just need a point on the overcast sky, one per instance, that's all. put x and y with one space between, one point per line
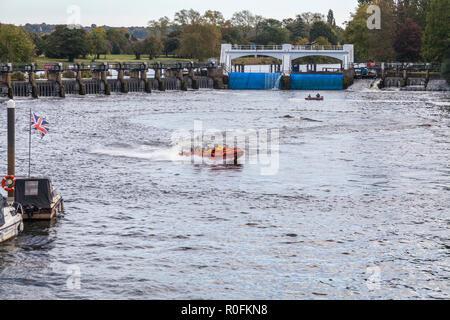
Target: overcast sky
139 12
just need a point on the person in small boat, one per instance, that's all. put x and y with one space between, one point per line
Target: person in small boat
318 95
309 96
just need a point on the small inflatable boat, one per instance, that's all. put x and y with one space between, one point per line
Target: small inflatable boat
215 153
314 98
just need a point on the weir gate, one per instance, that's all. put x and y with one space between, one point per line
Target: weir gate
57 79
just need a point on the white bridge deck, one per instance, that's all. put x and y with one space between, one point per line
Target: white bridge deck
286 53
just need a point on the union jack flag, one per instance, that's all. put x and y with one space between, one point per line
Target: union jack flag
39 124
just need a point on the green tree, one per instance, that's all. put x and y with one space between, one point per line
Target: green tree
200 41
416 10
246 22
297 27
152 46
159 31
339 32
421 9
356 33
330 18
138 48
437 31
233 35
159 27
15 44
322 41
272 32
38 41
185 17
67 43
322 29
310 17
99 41
214 17
118 40
171 45
381 41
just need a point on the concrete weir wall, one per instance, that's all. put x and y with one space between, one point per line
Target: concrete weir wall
265 81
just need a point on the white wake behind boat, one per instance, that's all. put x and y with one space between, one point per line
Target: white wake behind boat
11 223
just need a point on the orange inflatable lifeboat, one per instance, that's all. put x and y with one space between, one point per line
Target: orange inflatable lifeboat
215 153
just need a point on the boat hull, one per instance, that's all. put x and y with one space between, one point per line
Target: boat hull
317 99
45 214
12 227
230 154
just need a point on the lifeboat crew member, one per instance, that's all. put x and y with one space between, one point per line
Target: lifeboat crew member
213 152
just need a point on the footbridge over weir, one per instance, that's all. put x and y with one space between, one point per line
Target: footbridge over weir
286 53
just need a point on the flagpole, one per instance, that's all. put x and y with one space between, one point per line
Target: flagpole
29 149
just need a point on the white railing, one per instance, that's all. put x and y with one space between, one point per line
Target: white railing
316 47
280 47
255 47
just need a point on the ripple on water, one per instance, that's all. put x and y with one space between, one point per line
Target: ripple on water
360 192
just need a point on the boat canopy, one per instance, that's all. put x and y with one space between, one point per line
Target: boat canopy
37 192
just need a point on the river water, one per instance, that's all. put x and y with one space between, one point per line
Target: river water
356 205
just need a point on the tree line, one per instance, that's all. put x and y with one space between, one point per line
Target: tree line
411 30
189 34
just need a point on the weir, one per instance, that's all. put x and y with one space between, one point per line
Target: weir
57 79
405 76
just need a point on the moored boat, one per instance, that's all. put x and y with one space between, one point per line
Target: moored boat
11 223
38 197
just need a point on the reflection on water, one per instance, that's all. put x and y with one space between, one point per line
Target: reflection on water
357 209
